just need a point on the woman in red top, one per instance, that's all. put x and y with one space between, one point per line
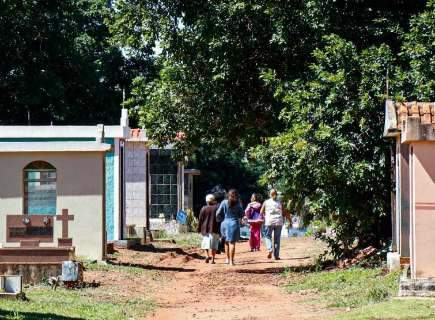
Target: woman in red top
255 220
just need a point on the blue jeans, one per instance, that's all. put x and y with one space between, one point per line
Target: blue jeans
276 239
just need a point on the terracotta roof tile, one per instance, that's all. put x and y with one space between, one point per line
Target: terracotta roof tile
138 135
424 110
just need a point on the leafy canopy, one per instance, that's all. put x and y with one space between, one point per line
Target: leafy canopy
57 63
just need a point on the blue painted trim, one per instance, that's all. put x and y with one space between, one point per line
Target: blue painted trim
110 190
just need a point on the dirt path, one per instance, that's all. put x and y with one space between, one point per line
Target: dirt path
253 289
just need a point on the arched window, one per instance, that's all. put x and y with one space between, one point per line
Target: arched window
40 188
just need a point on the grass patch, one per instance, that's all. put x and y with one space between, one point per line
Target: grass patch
346 288
366 293
189 239
393 310
65 304
130 270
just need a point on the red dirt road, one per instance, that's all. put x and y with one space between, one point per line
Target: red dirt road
253 289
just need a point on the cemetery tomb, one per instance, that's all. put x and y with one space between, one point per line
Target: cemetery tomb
154 187
412 126
52 197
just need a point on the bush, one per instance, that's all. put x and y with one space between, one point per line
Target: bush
192 222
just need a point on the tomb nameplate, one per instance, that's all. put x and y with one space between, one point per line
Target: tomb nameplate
28 227
11 286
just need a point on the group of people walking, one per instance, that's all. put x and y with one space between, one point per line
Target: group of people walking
221 223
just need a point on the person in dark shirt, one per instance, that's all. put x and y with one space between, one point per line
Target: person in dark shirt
208 227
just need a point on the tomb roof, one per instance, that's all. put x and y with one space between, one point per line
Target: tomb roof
140 135
137 134
61 131
401 117
121 131
66 146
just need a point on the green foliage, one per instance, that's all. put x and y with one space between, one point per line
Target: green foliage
418 51
309 75
229 169
189 239
57 63
192 222
347 288
316 227
160 234
330 161
65 304
215 57
213 53
403 309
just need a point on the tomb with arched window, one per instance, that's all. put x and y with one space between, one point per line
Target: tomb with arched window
52 201
66 191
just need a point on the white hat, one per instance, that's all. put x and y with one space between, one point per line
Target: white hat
209 198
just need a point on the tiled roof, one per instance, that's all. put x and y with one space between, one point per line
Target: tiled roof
138 135
424 110
413 121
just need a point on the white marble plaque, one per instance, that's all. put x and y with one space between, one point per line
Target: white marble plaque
13 284
70 271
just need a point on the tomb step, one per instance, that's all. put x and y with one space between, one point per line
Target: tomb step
423 287
36 255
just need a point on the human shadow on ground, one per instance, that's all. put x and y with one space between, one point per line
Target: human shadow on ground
34 316
272 270
149 266
242 263
264 261
153 249
301 269
277 270
178 251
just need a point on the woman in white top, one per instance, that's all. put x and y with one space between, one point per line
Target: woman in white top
273 213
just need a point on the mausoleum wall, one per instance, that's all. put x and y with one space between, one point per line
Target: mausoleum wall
80 189
423 209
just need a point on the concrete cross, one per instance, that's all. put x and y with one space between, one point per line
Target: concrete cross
65 218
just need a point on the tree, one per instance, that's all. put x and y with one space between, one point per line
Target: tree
214 53
330 161
57 63
417 77
302 82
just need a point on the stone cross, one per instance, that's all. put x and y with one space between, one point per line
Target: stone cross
65 218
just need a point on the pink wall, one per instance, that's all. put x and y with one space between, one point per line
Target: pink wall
422 168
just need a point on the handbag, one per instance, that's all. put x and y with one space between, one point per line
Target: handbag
220 213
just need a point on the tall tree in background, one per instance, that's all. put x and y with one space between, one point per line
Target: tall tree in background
332 160
310 75
57 64
215 52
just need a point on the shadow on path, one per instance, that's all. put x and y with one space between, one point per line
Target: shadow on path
177 250
34 316
276 270
150 267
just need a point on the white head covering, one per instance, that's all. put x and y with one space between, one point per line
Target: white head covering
209 198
